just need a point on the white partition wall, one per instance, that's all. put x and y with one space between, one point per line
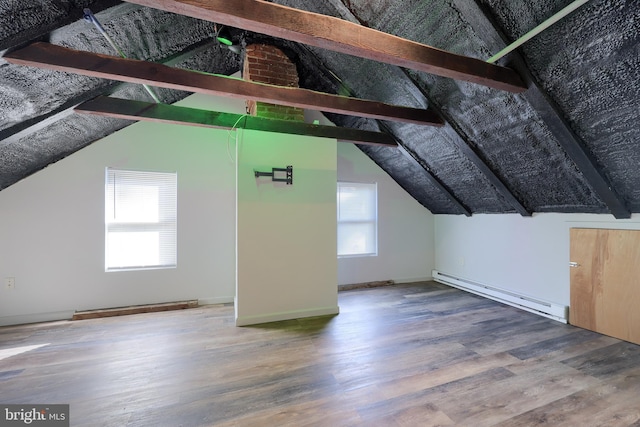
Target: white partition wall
286 234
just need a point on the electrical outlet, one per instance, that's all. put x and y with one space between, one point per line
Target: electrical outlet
10 283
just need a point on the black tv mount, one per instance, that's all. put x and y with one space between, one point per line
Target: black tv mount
278 174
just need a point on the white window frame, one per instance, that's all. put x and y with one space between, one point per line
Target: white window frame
142 203
369 217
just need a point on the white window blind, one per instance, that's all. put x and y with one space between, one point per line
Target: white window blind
140 219
357 219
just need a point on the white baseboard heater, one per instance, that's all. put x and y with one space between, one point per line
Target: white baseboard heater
543 308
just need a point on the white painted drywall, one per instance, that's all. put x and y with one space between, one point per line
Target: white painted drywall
529 256
52 224
405 228
286 234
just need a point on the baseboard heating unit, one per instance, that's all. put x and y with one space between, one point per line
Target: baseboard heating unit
543 308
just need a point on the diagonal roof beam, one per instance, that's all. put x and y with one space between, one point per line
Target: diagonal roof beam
415 159
59 58
341 36
573 145
138 110
464 145
550 113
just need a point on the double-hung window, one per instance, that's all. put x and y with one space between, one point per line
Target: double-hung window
140 219
357 219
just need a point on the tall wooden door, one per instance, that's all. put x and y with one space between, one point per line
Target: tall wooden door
605 282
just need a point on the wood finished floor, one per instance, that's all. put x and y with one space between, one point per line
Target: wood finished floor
405 355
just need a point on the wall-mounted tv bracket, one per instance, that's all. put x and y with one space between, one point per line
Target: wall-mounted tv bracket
279 174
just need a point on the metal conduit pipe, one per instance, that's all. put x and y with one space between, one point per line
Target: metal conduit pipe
538 29
88 16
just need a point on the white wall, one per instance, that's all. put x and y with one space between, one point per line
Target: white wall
52 225
525 255
286 234
405 228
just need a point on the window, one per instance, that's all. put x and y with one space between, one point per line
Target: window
357 219
140 219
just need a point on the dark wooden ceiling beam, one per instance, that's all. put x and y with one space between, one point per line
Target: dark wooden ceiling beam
59 58
551 114
342 36
25 128
138 110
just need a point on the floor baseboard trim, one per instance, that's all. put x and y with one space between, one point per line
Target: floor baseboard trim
23 319
364 285
414 280
379 283
135 309
215 300
288 315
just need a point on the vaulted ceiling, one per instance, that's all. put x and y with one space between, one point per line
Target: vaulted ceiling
569 143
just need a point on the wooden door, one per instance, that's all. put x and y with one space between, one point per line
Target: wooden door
605 282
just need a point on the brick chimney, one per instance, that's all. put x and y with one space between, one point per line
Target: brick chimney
268 64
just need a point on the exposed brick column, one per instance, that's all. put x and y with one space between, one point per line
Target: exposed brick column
268 64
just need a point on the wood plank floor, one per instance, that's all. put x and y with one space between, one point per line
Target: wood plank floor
404 355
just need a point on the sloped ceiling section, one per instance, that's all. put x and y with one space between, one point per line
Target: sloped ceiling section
571 143
590 66
37 124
